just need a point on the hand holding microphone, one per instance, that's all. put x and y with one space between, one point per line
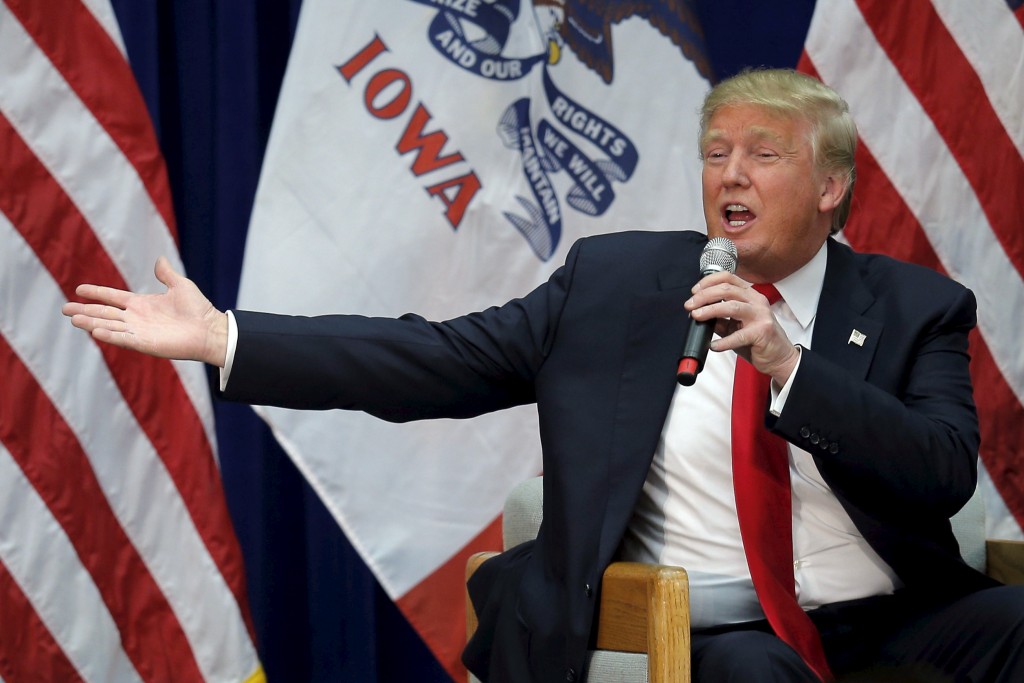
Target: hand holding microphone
740 314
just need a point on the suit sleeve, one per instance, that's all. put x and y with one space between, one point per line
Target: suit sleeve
904 439
400 369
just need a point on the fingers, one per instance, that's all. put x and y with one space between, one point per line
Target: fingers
120 298
114 337
90 323
99 311
94 317
105 295
731 309
743 315
724 296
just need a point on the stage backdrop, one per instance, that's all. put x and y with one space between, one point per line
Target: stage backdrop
436 157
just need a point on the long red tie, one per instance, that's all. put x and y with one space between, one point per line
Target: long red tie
760 462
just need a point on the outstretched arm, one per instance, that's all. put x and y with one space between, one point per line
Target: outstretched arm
180 323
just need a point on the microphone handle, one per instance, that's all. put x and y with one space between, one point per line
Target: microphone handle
695 351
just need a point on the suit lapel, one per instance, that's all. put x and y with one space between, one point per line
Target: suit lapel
842 331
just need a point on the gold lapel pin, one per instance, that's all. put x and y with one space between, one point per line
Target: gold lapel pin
857 337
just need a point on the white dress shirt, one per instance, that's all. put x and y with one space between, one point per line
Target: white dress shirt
686 515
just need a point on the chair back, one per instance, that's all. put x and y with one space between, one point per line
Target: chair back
969 529
524 510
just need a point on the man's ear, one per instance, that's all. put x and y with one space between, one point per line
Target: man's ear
832 190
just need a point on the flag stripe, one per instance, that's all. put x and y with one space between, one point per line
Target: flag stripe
887 224
937 74
42 560
78 152
66 246
117 534
145 500
49 454
29 650
1002 431
435 594
95 68
104 14
993 42
943 200
104 186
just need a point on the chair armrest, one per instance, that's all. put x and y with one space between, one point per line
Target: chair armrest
1005 560
472 564
646 609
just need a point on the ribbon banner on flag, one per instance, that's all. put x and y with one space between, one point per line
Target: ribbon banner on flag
441 158
118 561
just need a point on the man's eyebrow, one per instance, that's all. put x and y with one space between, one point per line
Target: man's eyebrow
759 132
712 135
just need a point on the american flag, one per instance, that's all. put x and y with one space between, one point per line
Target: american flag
937 91
118 561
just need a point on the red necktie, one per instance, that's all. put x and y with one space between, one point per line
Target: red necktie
760 462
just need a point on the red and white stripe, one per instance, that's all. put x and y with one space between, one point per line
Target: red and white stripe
118 561
937 94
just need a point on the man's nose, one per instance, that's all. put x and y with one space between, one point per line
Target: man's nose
735 171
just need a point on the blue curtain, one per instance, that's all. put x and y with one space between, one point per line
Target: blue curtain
210 73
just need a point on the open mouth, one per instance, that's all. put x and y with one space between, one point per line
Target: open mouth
738 215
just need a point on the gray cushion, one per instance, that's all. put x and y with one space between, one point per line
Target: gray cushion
610 667
524 509
969 529
604 666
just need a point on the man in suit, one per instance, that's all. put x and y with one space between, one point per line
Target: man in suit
868 367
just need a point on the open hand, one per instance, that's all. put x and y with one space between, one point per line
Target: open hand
180 323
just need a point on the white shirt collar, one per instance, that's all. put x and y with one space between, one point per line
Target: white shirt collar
802 289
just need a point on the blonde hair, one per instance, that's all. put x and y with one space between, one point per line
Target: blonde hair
833 135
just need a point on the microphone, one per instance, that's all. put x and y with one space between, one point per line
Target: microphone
719 255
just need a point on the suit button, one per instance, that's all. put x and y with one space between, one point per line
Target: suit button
804 432
588 590
833 448
570 674
824 444
815 438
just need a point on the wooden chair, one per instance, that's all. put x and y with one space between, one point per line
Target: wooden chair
643 629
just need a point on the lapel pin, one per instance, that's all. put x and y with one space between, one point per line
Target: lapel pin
857 337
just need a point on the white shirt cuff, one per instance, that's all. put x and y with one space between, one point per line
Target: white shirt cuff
229 357
779 396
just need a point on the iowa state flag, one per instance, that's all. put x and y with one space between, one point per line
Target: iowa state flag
440 157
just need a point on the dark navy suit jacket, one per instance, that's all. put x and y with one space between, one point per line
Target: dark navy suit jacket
891 421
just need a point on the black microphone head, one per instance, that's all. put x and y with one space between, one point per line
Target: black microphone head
719 255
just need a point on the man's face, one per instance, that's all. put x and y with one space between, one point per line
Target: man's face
763 191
